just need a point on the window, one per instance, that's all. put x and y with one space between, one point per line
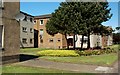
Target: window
24 40
41 22
31 41
31 30
41 40
50 40
84 41
41 31
34 21
59 40
25 19
31 20
24 29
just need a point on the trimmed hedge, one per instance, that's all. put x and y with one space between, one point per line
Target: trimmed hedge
59 53
74 53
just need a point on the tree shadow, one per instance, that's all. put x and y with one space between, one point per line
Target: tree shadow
25 57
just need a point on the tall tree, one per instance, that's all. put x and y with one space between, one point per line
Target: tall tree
78 18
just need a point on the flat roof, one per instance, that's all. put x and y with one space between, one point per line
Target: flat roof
43 16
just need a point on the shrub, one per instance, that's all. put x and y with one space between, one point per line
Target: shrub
59 53
95 52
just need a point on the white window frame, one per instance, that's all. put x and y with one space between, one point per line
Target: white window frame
40 21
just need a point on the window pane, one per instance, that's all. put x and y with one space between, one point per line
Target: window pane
41 31
51 40
31 41
41 22
24 40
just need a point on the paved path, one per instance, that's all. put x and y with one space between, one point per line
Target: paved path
37 62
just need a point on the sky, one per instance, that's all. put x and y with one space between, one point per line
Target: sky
41 8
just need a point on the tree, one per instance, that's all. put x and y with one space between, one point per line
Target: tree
78 18
63 22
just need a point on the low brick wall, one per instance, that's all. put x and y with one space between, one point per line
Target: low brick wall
10 59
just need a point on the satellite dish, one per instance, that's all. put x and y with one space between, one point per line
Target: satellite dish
19 16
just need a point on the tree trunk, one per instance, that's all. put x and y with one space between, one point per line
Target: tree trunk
67 41
88 44
82 41
74 41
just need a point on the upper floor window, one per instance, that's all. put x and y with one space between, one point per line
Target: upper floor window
59 40
31 30
35 21
41 22
25 19
31 20
24 29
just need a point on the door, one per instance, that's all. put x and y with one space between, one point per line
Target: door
35 38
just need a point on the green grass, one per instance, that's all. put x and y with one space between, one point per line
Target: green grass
104 60
23 69
31 51
115 47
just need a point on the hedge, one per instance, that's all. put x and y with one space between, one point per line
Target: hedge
59 53
74 53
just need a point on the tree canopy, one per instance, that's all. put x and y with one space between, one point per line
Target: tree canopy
79 18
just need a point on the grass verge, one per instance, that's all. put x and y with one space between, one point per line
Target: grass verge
103 60
23 69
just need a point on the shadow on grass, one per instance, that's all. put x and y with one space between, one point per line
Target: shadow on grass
25 57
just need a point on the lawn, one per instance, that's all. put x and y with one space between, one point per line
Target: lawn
104 60
23 69
31 51
115 47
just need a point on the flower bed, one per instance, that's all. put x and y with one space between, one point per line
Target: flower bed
74 53
59 53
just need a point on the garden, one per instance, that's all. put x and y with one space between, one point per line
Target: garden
105 57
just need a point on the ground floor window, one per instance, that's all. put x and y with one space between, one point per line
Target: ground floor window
51 40
31 41
24 41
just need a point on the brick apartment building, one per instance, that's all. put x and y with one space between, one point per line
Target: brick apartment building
42 38
9 32
26 30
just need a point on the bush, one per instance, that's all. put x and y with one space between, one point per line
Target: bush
59 53
74 53
96 52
